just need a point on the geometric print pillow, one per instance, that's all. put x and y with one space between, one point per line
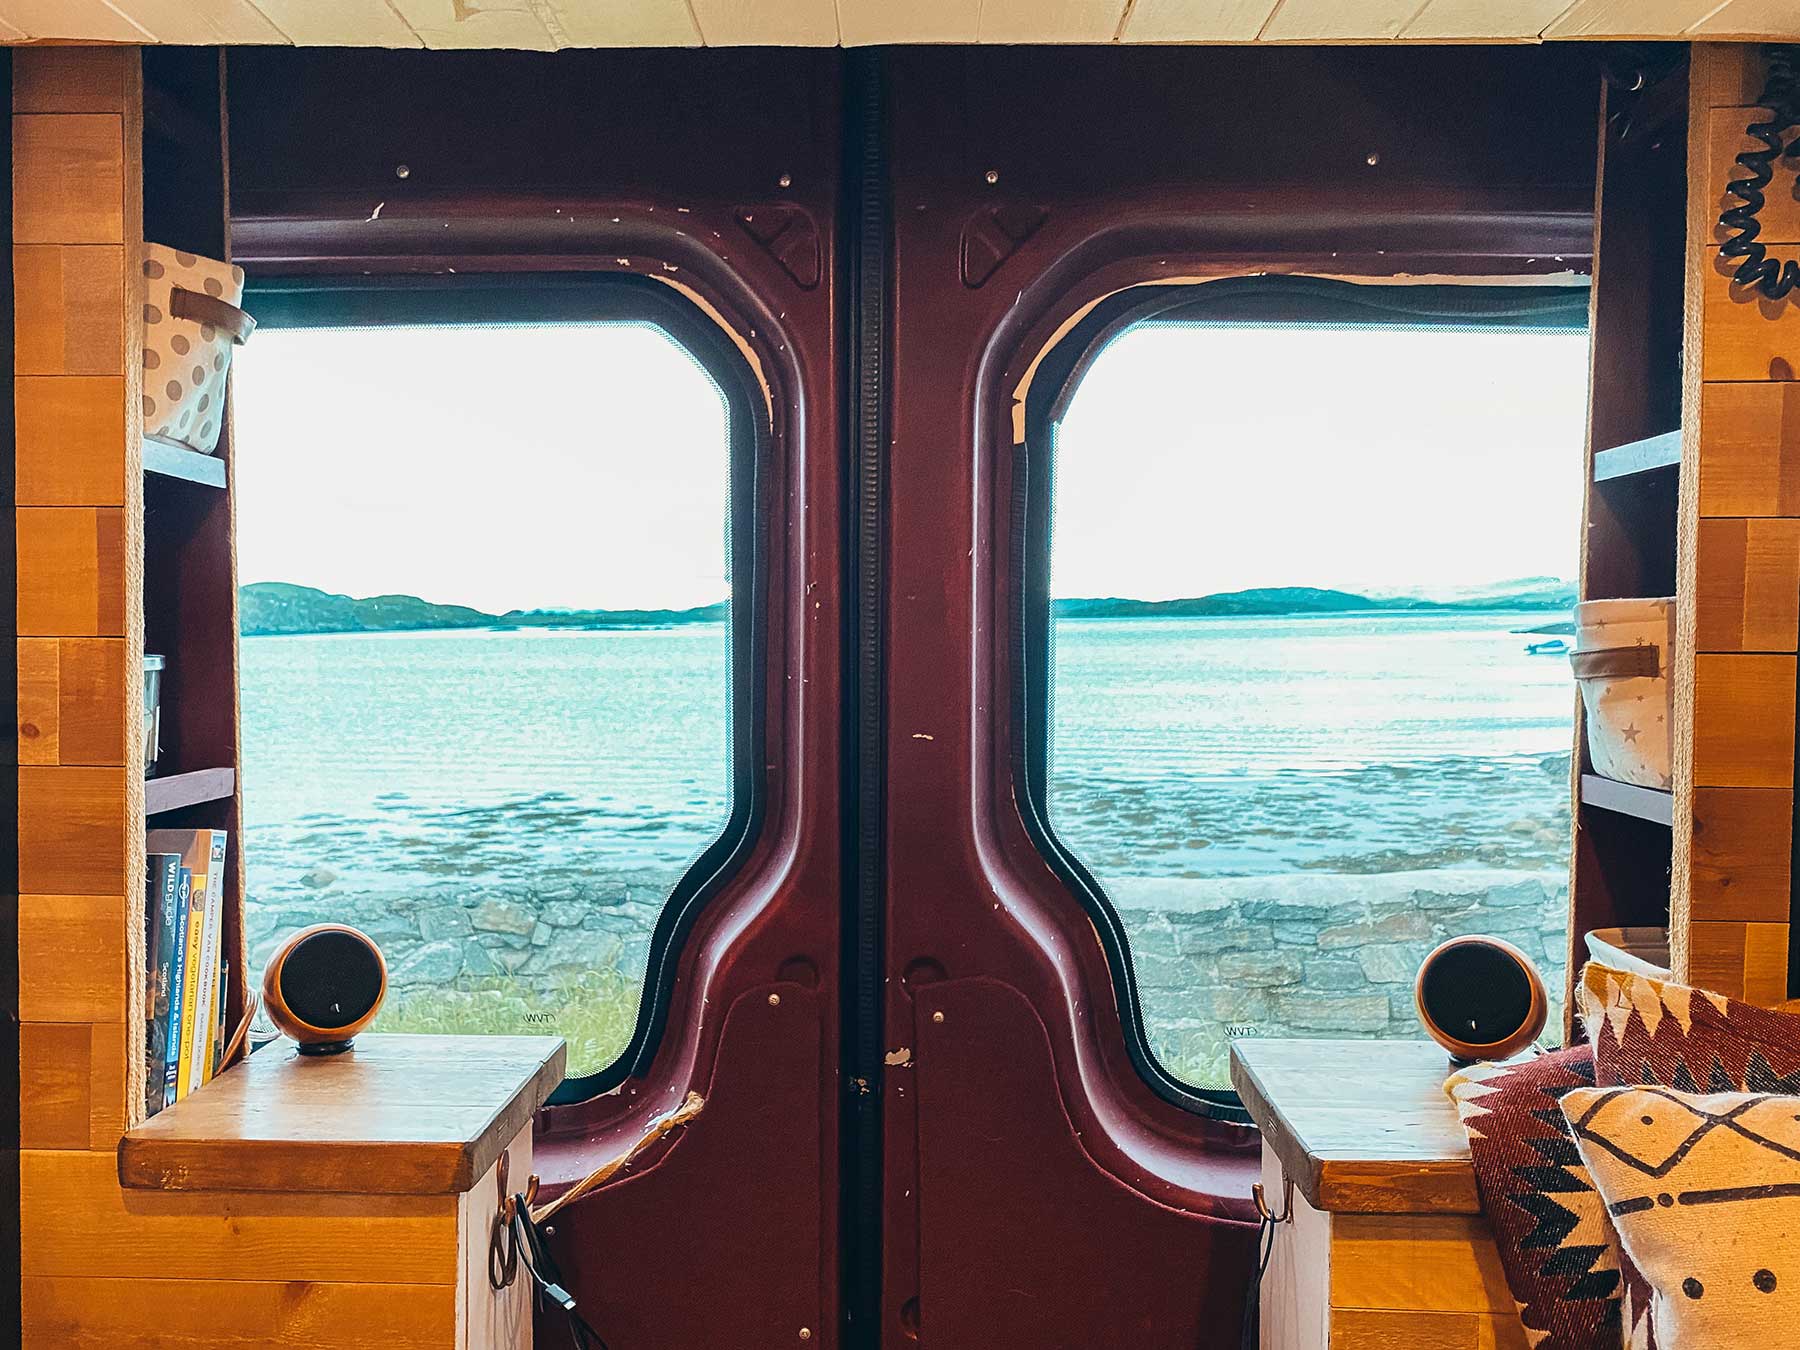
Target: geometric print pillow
1705 1192
1650 1031
1550 1226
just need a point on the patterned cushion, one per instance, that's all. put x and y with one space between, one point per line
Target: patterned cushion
1555 1241
1646 1030
1705 1190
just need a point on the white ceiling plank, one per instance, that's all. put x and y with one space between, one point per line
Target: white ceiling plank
1197 20
1632 18
624 23
338 23
1778 19
83 20
202 23
759 23
1049 20
1338 20
1493 20
512 25
871 23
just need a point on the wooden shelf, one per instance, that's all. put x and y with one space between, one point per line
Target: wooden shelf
1627 799
401 1115
189 465
188 789
1645 456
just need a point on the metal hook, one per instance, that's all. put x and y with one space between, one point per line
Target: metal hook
1287 1201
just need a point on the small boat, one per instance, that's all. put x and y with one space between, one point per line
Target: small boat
1550 647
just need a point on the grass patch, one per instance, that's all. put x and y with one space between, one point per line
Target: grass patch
594 1012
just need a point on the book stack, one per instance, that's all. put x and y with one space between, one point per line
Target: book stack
187 976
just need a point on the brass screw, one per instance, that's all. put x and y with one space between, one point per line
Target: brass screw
806 1333
786 180
992 176
774 1000
937 1017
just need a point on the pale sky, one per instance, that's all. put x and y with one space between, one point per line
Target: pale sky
586 466
504 468
1196 460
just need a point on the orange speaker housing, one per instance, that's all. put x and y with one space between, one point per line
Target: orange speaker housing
1480 998
323 985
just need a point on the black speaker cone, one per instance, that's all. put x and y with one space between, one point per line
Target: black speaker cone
1476 993
331 979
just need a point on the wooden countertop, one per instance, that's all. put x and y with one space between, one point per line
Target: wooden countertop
1360 1126
395 1115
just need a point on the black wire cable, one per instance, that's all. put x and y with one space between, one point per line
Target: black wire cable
524 1246
1781 96
1250 1331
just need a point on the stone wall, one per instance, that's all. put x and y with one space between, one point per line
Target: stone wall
1317 954
445 937
1297 954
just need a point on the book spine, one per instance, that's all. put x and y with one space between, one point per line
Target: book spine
221 1009
193 984
164 884
200 1069
180 977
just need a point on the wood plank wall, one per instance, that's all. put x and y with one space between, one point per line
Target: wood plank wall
76 187
102 1266
1740 545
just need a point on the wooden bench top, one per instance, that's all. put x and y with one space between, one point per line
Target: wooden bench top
1359 1126
395 1115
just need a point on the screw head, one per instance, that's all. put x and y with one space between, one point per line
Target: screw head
1372 160
786 180
992 176
402 171
937 1016
806 1333
774 1000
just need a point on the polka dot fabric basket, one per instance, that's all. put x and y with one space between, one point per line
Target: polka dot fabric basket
191 323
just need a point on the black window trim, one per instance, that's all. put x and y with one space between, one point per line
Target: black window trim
1258 299
533 298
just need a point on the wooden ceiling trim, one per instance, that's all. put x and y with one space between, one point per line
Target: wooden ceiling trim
336 23
746 23
1483 20
1632 18
203 23
454 24
1196 20
1005 21
1339 20
665 22
79 20
1751 20
871 23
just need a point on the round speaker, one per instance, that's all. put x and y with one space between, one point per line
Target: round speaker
323 985
1480 998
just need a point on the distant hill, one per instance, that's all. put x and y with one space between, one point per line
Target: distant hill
281 607
266 607
1528 593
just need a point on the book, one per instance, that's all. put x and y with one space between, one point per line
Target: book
190 981
163 894
203 861
211 943
178 987
221 1010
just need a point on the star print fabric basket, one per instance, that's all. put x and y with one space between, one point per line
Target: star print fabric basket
1621 661
191 323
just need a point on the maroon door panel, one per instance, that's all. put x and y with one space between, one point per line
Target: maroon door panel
1038 1191
718 1240
1040 1186
716 174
